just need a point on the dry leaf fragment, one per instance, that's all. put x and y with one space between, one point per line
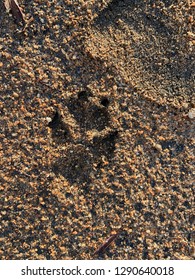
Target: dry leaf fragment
13 7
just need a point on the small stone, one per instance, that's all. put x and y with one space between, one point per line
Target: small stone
42 20
14 134
48 119
115 87
185 105
15 95
191 113
158 147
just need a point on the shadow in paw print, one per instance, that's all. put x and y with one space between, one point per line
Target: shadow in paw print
60 131
96 118
76 165
88 114
104 145
173 147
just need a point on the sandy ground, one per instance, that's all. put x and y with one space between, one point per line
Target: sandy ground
97 130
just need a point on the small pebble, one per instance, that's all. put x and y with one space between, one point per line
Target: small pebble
48 119
191 113
158 147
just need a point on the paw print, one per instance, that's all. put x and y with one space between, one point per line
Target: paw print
86 131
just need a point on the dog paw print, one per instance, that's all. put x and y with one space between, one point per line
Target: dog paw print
87 134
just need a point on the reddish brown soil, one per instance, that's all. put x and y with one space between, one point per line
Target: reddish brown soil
95 130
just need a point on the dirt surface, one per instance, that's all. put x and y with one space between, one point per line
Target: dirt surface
97 130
